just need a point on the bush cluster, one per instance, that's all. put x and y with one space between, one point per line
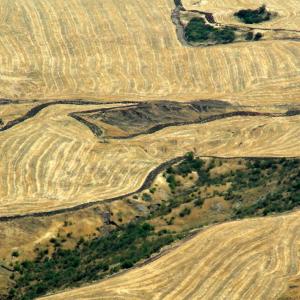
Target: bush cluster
198 31
276 182
251 16
285 196
88 261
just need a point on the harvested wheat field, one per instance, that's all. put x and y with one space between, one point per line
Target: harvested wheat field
59 156
115 122
249 259
286 11
112 50
52 161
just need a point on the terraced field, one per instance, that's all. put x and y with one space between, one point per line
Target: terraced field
249 259
111 50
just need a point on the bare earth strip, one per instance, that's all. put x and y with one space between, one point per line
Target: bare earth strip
248 259
52 161
113 50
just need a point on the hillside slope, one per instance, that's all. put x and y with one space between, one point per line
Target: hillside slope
113 50
52 161
248 259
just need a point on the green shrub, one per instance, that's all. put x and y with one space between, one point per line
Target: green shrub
163 231
146 197
251 16
199 202
258 36
186 211
198 31
224 36
15 254
171 181
249 36
170 221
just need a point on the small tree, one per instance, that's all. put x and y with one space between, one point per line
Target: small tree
258 36
15 254
186 211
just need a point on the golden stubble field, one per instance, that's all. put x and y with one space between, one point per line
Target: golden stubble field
248 259
129 50
287 12
109 50
52 161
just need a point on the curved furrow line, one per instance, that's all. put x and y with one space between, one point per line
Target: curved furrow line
26 166
65 179
35 110
248 278
84 54
215 260
44 142
240 270
146 184
42 164
233 270
245 285
266 289
7 146
79 170
14 172
50 173
263 288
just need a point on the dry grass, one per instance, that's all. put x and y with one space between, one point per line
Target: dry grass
288 12
108 50
111 50
4 280
26 235
52 161
238 260
293 290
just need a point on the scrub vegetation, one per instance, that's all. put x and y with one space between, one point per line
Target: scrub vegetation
220 189
252 16
198 31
